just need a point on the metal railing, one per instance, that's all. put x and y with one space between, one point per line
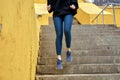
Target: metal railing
102 12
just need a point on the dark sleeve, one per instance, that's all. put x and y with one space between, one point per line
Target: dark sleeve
75 2
49 3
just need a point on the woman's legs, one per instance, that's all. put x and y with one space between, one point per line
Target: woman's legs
58 23
68 19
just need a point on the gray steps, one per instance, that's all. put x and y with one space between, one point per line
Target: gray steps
79 69
85 28
79 77
95 50
85 46
81 60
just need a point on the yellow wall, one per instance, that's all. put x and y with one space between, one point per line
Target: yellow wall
45 1
40 1
88 11
81 1
0 13
18 40
43 19
117 11
82 17
0 19
108 19
42 13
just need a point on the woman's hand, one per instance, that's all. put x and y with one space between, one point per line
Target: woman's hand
72 6
48 7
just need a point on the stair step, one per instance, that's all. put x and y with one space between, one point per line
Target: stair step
85 42
79 77
80 28
79 46
78 52
84 37
80 60
99 26
86 50
87 31
52 31
79 69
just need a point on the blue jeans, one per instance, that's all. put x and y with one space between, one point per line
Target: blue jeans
60 23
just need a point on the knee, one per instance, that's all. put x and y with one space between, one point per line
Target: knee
67 31
59 35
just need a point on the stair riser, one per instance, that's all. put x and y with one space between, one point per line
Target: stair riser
84 45
112 77
78 52
81 60
86 33
83 28
83 38
79 69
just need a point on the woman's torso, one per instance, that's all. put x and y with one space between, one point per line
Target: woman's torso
62 7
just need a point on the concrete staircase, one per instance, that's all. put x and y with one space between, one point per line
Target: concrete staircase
95 50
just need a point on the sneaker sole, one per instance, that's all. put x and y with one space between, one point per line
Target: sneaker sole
68 60
59 68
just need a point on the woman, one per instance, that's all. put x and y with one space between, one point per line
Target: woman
63 13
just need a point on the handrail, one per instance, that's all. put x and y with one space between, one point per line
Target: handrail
100 12
113 4
117 4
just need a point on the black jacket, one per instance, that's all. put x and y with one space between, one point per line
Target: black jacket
62 7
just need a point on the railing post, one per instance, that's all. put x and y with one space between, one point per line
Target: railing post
114 16
103 17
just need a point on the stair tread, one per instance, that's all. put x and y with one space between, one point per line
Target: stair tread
115 74
79 69
81 60
79 77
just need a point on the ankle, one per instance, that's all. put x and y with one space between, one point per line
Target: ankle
59 57
68 49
